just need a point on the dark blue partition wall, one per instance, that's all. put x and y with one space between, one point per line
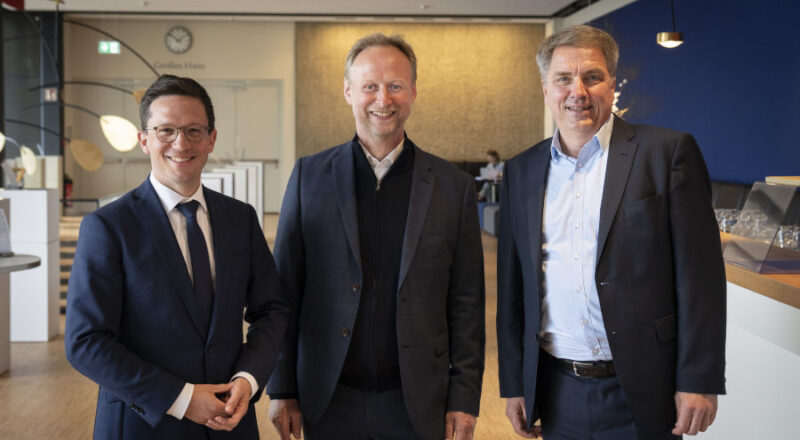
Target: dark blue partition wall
734 84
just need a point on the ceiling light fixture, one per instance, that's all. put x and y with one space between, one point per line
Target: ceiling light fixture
119 132
670 39
86 154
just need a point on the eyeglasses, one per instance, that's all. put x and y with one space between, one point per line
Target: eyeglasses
192 133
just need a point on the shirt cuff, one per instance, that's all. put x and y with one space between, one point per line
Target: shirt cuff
249 377
178 408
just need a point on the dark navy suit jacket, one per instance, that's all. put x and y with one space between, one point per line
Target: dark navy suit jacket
133 325
659 272
440 293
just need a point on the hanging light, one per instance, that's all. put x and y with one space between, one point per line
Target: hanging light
28 158
2 141
119 132
670 39
88 155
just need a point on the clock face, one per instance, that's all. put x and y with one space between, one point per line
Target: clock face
178 39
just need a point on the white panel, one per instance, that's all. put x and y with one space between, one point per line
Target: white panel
34 215
761 370
239 182
34 295
259 120
227 181
5 325
252 184
212 183
258 170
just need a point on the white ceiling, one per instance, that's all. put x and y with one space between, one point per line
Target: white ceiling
434 8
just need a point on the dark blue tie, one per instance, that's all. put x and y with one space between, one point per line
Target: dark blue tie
201 268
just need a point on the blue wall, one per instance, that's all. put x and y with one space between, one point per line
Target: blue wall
734 84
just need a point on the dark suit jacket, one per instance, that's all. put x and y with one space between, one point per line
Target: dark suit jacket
133 324
659 275
440 295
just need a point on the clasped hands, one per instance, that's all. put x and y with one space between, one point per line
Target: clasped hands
219 406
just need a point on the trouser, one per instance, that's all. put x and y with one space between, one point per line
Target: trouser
584 408
358 415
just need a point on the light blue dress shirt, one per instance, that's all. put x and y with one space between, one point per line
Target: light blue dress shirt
572 323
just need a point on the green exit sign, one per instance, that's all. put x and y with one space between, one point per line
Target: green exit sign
108 47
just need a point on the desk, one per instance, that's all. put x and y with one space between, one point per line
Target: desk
8 265
763 357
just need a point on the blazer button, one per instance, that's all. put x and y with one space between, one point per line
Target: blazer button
355 287
345 332
210 349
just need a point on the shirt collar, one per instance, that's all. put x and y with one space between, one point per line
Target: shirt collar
601 139
391 157
170 199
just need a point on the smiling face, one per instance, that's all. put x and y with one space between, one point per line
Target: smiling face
580 92
177 164
381 92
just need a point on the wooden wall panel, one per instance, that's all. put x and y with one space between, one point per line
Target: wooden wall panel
478 86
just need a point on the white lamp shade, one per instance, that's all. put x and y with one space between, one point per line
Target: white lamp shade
120 132
88 155
28 160
2 141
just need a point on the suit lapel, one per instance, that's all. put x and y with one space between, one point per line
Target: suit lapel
344 180
219 227
161 236
534 185
422 183
621 152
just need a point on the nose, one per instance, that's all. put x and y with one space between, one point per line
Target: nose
382 96
578 88
180 141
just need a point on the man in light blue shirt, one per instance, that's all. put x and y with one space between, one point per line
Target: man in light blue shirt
611 285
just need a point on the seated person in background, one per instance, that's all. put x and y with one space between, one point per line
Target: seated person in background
494 171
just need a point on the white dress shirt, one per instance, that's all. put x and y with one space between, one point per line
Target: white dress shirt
169 201
572 322
381 167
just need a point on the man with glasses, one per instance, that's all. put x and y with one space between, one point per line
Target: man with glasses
159 283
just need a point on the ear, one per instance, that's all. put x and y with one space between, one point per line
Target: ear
347 92
413 92
544 89
142 135
212 139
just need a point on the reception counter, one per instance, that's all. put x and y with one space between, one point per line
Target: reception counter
763 358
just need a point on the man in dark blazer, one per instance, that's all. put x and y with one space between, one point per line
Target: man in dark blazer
611 285
379 247
159 283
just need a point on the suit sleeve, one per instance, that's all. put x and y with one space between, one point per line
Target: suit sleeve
699 274
510 306
290 259
466 311
267 310
91 339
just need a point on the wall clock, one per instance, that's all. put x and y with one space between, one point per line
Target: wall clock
178 39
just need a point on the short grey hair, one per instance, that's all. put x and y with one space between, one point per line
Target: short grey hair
379 39
579 36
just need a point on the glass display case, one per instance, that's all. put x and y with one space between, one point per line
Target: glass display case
765 234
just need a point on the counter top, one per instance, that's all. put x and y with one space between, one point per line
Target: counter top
783 287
